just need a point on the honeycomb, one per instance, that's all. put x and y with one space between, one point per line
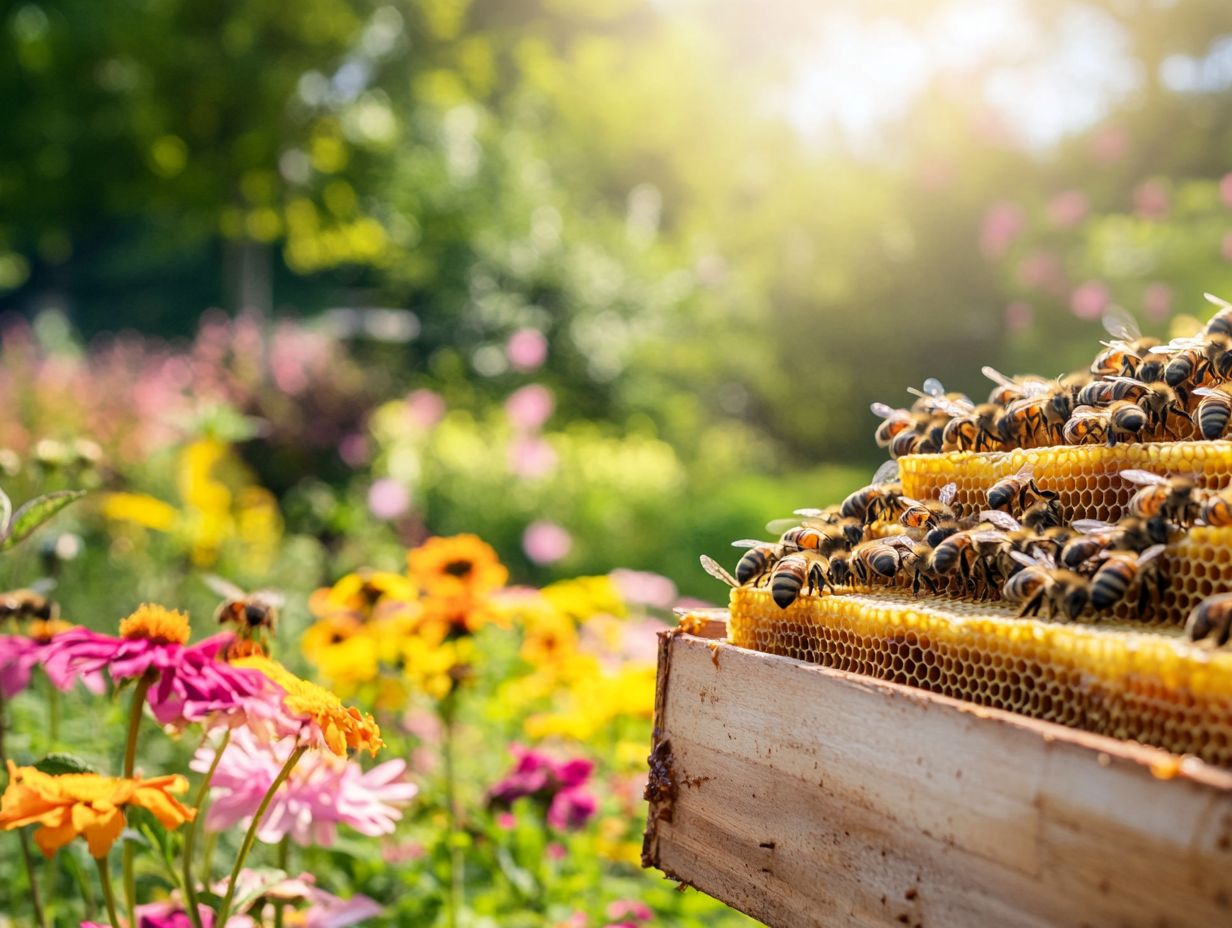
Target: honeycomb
1155 688
1087 478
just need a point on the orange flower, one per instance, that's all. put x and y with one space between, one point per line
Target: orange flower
363 595
337 726
156 623
463 565
86 804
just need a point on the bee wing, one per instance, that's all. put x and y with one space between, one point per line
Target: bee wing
1088 412
749 543
272 598
881 410
43 585
1205 391
997 377
1143 477
1121 325
947 494
933 387
1179 344
1025 471
1217 301
1150 554
224 588
1091 526
886 473
716 570
986 536
908 501
1002 520
1026 560
779 526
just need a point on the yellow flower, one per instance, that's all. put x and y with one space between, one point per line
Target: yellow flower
363 595
338 726
436 667
459 566
594 701
86 804
156 623
140 509
583 597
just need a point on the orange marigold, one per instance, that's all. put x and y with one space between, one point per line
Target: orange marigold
338 726
86 804
156 623
462 565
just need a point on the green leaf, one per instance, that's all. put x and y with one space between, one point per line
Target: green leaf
263 879
34 513
58 763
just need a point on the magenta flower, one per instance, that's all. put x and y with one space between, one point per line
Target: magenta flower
529 407
526 349
629 910
192 684
323 791
19 655
558 786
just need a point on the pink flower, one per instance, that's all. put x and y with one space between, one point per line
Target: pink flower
193 685
557 786
1225 189
526 349
19 655
531 458
529 407
1151 199
1018 316
355 449
171 915
1225 246
324 910
555 850
1090 300
1109 144
1068 208
1002 224
322 791
630 909
1041 270
388 499
546 542
644 588
1157 301
425 408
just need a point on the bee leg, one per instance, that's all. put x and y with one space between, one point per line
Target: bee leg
1032 605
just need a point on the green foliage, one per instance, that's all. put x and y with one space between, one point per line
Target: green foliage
16 527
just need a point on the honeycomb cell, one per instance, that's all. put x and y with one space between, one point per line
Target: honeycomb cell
1113 679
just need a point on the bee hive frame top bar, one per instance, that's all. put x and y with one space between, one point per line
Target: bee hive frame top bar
810 797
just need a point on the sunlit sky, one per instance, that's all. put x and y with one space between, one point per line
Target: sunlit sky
1055 79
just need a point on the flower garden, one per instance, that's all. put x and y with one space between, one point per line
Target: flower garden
412 739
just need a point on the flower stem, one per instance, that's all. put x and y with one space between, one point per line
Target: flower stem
130 763
53 714
284 855
108 893
251 835
457 874
190 836
24 839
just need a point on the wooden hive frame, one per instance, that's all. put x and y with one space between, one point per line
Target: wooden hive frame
806 796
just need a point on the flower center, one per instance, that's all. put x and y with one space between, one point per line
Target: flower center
156 623
459 568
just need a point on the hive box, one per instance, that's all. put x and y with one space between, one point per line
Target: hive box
805 796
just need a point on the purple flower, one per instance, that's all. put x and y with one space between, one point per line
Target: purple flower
323 791
557 786
19 655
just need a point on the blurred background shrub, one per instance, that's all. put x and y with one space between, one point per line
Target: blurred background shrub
610 281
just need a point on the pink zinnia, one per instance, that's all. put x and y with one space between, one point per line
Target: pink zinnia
19 655
192 684
323 791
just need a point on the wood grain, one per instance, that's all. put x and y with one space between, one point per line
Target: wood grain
808 797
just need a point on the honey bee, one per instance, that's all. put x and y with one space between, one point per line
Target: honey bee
1214 411
976 430
1124 354
1189 362
878 500
1126 420
1131 534
757 561
825 540
1017 492
1211 618
1216 508
793 573
933 399
966 553
249 612
878 558
1221 322
1087 426
1119 573
1176 499
1157 400
1095 393
1023 422
1009 389
894 423
930 513
29 603
1065 593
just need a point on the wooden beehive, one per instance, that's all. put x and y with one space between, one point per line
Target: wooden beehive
806 796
